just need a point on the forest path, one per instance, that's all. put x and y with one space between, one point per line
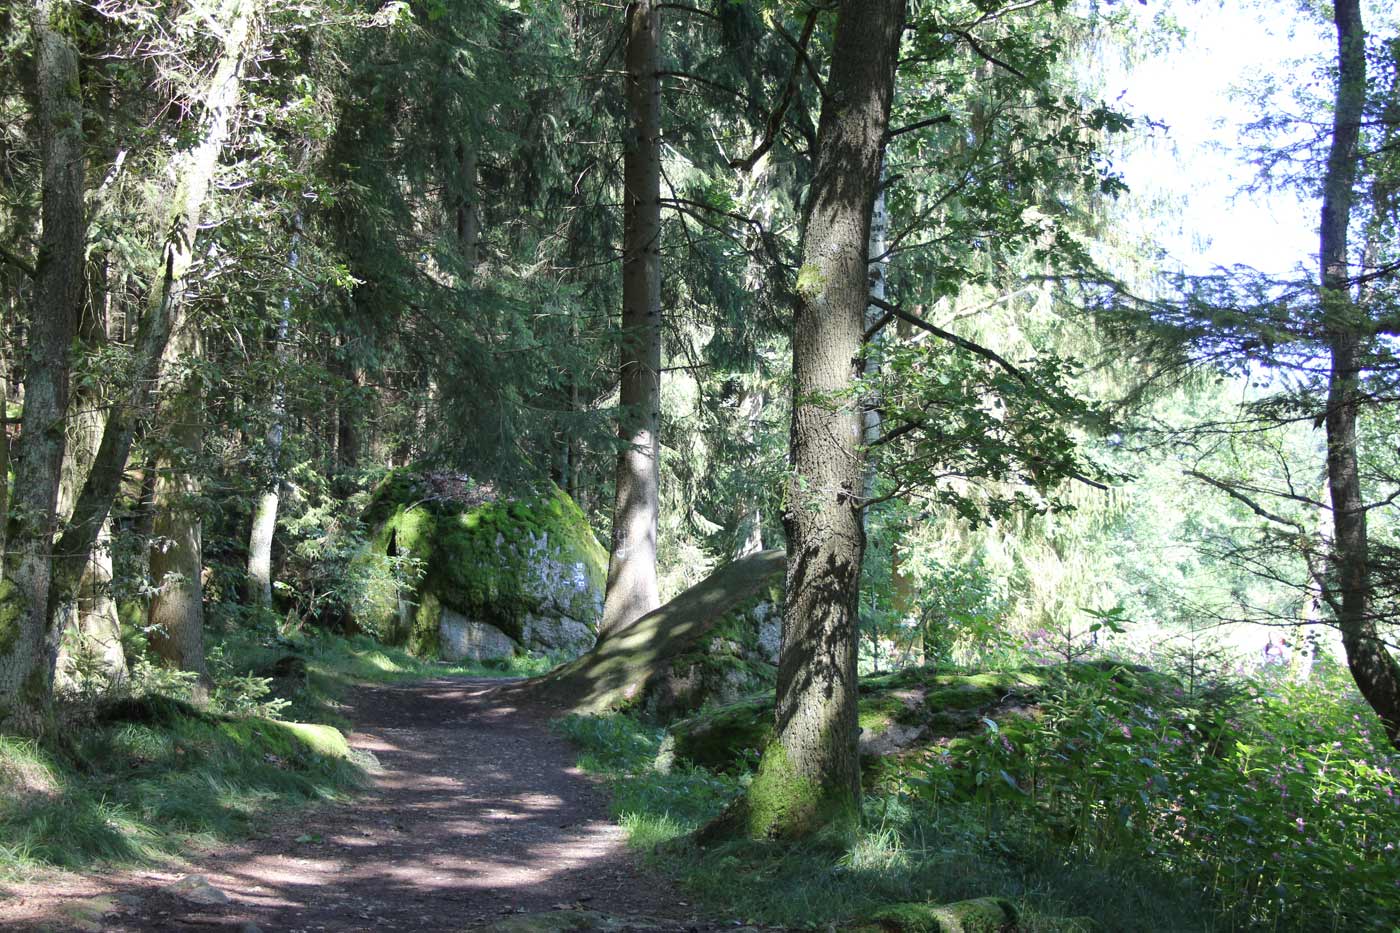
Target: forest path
476 813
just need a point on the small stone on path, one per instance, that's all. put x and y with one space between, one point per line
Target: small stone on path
196 889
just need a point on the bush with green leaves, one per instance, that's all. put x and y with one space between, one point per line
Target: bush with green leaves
1277 802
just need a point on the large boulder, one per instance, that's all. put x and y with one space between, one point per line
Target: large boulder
479 576
710 645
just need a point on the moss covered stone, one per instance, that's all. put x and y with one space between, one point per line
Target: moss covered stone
528 568
979 915
897 712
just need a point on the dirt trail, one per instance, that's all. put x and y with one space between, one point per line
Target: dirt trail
477 812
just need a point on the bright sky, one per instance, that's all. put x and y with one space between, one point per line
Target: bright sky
1199 162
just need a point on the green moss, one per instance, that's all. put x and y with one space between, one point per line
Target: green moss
423 639
323 740
718 738
878 713
477 558
979 915
11 615
780 801
810 281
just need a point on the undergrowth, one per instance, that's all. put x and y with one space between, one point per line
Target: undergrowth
1125 804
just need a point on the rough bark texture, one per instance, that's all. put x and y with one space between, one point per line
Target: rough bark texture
26 651
193 171
810 776
88 627
176 616
632 589
1371 664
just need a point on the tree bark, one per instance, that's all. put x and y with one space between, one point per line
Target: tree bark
809 776
632 589
26 650
88 627
1372 666
264 526
176 615
193 170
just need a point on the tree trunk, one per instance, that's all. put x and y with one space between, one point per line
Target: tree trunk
809 776
632 588
264 527
1371 664
88 627
193 171
750 537
6 332
176 615
26 651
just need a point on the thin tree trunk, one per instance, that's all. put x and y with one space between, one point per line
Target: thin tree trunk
632 588
6 332
264 526
26 651
1372 666
809 776
750 537
193 171
879 264
176 615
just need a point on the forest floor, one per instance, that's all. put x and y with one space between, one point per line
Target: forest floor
475 814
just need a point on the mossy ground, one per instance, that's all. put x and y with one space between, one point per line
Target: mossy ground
943 705
145 777
151 775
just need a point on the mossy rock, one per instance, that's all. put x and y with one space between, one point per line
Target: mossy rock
704 646
897 712
489 575
323 740
979 915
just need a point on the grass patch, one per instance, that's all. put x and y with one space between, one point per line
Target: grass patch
149 776
900 856
1124 804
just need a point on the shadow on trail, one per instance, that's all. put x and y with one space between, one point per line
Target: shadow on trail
476 811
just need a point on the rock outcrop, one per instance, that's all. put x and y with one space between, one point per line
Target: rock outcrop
474 575
712 644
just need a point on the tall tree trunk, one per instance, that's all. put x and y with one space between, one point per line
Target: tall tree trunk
88 627
6 332
26 652
193 172
1371 664
879 264
810 774
750 537
176 615
632 588
264 526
